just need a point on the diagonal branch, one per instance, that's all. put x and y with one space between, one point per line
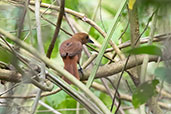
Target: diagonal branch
58 25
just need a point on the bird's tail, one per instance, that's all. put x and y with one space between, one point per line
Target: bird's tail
70 64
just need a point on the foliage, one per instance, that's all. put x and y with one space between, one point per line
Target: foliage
5 56
107 11
150 49
144 92
163 73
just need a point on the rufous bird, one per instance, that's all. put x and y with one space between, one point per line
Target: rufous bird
70 51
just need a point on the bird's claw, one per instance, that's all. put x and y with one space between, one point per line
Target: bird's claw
81 71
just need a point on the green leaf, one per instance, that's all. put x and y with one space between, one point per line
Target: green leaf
107 100
109 9
163 73
144 92
150 49
46 1
61 100
72 4
105 43
69 103
56 99
42 110
5 56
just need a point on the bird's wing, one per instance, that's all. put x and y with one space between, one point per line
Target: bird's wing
70 48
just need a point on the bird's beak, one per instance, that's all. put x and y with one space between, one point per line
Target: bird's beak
90 41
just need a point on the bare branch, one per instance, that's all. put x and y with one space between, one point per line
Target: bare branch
39 34
114 68
57 29
49 107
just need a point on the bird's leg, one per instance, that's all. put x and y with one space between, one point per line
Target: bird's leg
80 69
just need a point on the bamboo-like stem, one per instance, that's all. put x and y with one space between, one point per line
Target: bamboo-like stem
104 45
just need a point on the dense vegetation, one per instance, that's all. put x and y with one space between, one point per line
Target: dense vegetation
125 71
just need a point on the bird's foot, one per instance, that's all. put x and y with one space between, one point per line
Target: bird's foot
81 71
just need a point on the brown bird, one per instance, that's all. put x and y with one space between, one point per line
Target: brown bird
70 51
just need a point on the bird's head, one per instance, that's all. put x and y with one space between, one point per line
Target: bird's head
82 37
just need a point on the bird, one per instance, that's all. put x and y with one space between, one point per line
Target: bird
70 51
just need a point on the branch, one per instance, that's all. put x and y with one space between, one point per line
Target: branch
49 107
9 75
114 68
47 20
41 49
157 38
22 14
58 25
38 28
127 97
104 45
30 96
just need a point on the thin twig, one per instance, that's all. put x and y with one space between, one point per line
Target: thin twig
67 20
157 38
146 58
149 20
6 91
90 60
114 55
124 31
98 52
41 49
69 23
101 18
124 68
128 86
49 107
30 25
22 14
39 34
126 97
48 8
51 46
114 96
94 14
110 92
35 104
117 86
55 26
31 96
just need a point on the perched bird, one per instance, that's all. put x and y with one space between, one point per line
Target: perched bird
70 51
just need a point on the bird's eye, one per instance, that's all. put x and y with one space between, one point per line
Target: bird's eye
87 37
